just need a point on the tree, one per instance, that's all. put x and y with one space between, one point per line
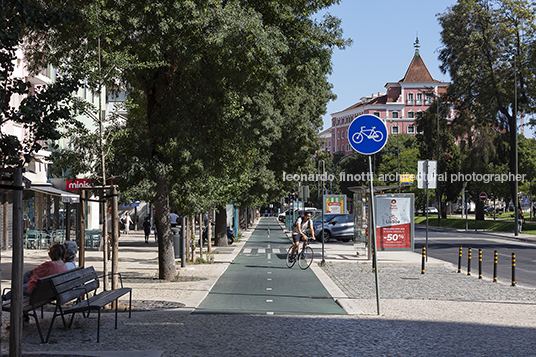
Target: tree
43 110
433 145
212 86
488 50
40 113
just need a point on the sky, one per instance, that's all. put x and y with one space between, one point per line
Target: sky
383 34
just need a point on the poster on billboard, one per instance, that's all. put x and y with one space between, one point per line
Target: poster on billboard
394 221
335 204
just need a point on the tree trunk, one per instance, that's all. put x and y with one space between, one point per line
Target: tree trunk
187 237
192 235
221 227
166 258
201 236
209 232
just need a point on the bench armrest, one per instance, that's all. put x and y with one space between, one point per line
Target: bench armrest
112 274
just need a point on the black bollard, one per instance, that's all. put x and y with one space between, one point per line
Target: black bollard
423 259
373 262
460 260
495 260
513 269
469 261
480 264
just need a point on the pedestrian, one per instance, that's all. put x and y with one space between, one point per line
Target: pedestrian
70 254
173 217
155 235
147 229
520 219
128 222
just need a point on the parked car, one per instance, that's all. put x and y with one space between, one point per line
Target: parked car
431 210
336 226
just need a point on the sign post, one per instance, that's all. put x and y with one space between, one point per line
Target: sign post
427 178
367 135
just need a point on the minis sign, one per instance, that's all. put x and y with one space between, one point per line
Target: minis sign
77 184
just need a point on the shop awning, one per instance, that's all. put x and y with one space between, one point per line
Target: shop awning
66 197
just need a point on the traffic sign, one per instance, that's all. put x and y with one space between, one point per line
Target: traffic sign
427 172
483 196
367 134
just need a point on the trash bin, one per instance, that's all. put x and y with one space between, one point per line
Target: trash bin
176 233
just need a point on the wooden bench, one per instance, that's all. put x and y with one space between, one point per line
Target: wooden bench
68 286
42 294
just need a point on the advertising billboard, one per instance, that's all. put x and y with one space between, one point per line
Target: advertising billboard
335 204
394 221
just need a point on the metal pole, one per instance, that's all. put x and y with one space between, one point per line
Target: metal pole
15 336
115 239
67 220
438 187
82 228
323 262
426 183
372 227
515 198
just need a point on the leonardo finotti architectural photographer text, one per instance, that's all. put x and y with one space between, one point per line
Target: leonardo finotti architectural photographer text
444 177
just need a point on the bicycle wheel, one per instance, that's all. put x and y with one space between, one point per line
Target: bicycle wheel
378 136
306 258
291 258
357 138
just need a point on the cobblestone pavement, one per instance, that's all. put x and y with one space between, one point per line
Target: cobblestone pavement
405 282
440 313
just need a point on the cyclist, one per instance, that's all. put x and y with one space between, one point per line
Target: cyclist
298 232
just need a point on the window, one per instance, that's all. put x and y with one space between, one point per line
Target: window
394 129
419 98
377 114
411 129
342 135
411 115
410 98
394 115
347 147
428 99
339 135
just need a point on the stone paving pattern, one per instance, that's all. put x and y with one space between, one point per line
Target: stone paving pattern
441 313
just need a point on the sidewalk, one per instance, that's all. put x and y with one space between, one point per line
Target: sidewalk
432 306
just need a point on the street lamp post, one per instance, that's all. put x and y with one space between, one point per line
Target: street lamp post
397 152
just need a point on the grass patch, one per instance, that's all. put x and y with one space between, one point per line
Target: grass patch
489 225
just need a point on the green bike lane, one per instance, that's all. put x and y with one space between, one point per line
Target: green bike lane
259 282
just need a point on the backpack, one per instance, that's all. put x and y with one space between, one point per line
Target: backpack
309 222
296 222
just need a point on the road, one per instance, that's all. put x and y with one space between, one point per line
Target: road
259 282
444 245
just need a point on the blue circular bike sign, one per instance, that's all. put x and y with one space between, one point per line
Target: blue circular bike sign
367 134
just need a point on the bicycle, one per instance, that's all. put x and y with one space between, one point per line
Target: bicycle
377 136
304 256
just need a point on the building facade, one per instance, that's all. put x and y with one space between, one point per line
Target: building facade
399 106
